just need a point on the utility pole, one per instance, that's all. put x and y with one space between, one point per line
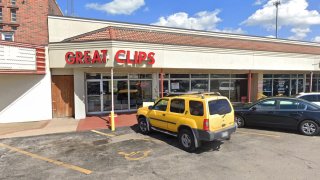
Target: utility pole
277 3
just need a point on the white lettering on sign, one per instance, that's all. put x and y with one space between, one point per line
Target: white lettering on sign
17 58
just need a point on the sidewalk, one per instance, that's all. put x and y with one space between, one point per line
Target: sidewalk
63 125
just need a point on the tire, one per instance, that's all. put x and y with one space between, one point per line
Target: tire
228 138
240 121
187 140
143 125
309 128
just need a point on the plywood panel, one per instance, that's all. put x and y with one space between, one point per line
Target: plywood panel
62 96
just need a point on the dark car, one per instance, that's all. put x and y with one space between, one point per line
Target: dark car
281 112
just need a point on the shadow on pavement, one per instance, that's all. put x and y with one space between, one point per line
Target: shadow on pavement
173 141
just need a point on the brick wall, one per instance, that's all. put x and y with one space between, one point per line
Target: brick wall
54 8
32 20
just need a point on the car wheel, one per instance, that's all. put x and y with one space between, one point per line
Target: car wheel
228 138
186 140
239 121
309 128
143 126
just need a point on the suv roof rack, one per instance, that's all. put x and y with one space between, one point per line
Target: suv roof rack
212 94
201 94
182 93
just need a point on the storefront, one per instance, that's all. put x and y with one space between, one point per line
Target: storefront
151 61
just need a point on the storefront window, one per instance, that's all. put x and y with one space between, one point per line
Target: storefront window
281 87
281 76
130 91
238 90
106 95
199 85
93 76
179 86
267 87
140 76
179 75
115 76
234 86
282 84
222 86
165 88
199 75
93 91
121 94
140 91
220 75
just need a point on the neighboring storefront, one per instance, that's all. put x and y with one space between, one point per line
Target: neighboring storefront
151 61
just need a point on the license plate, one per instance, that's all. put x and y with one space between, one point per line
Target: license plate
225 134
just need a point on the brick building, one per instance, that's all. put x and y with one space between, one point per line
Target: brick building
25 79
26 21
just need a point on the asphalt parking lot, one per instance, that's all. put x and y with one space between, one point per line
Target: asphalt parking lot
125 154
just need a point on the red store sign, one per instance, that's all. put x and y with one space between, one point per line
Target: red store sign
100 57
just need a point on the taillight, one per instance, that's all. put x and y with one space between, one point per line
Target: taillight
206 124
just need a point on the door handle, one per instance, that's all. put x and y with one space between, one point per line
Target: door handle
163 114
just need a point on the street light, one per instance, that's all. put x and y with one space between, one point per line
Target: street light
277 3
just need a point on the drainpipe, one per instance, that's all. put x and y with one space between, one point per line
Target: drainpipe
161 84
311 76
249 86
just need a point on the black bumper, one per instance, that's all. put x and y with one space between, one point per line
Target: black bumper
210 136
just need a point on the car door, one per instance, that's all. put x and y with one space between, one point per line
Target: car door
157 114
262 113
289 113
175 113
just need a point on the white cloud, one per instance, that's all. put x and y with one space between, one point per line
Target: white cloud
316 39
126 7
271 36
292 13
230 30
299 33
259 2
204 20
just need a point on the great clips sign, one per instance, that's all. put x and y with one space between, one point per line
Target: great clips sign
100 57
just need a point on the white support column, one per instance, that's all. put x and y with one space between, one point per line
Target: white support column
155 86
79 94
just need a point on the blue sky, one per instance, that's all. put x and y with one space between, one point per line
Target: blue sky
298 19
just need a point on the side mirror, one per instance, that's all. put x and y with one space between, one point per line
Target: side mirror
253 109
150 107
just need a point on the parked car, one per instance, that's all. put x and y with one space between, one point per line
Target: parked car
192 118
312 97
281 112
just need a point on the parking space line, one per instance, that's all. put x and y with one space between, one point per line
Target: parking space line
104 134
259 134
59 163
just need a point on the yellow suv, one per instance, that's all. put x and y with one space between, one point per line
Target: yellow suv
192 118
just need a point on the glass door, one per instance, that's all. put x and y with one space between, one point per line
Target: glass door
106 95
94 96
121 94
